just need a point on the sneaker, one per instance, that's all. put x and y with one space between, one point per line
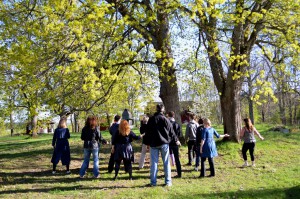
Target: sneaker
81 177
189 164
253 164
150 185
196 168
68 172
245 164
53 172
167 185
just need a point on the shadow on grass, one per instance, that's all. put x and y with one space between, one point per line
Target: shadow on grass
26 154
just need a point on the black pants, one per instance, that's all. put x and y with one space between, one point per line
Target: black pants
191 150
127 165
250 147
175 150
211 166
111 163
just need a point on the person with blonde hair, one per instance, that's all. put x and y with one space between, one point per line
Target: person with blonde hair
122 148
61 146
92 138
208 147
247 134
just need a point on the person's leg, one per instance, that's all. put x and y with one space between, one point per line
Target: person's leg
153 168
211 166
197 157
194 150
175 150
167 168
143 156
86 160
244 152
111 163
202 171
96 162
54 168
117 168
67 167
251 150
190 152
128 165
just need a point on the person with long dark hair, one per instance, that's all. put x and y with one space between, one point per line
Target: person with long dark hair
144 146
92 138
122 148
247 134
61 146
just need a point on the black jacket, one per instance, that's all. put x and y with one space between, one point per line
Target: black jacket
177 131
199 134
159 131
91 138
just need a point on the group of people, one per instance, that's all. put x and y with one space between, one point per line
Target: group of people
160 133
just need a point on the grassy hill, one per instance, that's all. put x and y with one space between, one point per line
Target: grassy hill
26 172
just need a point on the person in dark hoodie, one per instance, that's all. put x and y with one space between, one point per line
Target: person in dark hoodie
190 137
91 137
159 134
112 130
198 142
174 148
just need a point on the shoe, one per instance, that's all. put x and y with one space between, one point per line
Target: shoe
189 164
68 172
81 177
53 172
96 176
177 176
151 185
253 164
245 164
210 176
201 176
196 168
167 185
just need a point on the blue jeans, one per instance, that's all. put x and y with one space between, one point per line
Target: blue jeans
85 164
154 162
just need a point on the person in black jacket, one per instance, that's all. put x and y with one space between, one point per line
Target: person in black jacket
112 130
91 137
198 141
159 134
174 148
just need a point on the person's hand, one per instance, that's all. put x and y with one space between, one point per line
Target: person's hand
53 147
226 135
112 150
178 143
142 135
201 151
261 137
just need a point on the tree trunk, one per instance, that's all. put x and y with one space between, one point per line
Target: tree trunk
167 75
290 109
231 111
72 123
11 123
76 124
34 125
251 114
282 107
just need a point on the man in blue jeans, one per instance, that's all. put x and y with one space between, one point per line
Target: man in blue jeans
159 134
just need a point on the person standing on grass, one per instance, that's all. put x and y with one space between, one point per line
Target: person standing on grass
144 146
122 148
113 130
174 148
247 134
159 134
91 137
190 137
208 147
61 146
198 141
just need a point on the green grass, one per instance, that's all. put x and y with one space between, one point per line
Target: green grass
26 172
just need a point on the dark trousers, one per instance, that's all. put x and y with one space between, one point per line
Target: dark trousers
250 147
111 163
211 166
191 150
127 165
175 151
197 155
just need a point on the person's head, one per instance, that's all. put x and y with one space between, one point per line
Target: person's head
207 122
145 119
171 114
62 123
124 128
91 121
192 116
117 118
200 121
248 123
160 108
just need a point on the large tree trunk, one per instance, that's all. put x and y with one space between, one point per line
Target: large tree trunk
34 125
76 123
11 121
167 76
231 111
281 104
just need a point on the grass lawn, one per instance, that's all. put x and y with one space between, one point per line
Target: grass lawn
26 172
